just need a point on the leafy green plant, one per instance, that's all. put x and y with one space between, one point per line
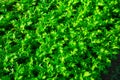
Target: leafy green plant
58 40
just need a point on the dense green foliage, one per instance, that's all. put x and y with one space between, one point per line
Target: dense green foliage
58 39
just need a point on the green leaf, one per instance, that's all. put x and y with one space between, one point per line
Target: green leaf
86 74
